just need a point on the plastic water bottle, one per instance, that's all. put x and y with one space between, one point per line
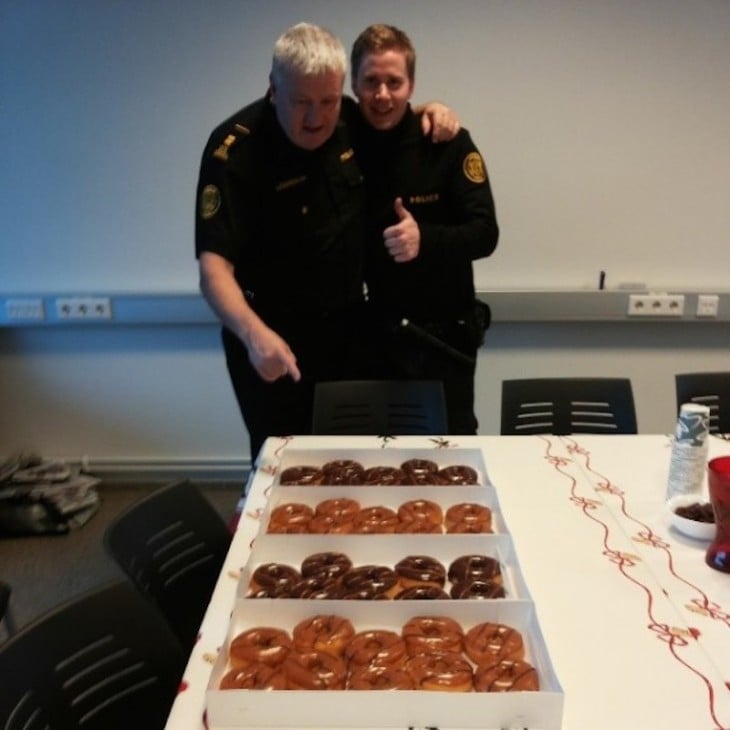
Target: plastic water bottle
688 464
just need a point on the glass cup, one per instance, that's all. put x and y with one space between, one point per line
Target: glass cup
718 478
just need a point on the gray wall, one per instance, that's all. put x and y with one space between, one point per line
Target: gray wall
155 397
604 125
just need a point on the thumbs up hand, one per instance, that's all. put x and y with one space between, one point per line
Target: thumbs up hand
403 240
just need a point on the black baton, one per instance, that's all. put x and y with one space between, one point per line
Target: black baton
426 336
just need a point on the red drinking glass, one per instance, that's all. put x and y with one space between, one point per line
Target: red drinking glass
718 478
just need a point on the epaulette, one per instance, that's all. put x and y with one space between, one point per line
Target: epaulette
238 131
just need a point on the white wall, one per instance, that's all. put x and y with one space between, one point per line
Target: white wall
604 125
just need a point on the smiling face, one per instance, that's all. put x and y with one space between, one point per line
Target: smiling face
308 106
383 88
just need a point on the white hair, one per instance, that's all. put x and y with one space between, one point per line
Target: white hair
308 50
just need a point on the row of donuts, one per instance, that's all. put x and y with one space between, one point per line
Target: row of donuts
344 515
332 575
325 652
412 472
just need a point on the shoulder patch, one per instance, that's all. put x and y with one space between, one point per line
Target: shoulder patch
474 168
210 201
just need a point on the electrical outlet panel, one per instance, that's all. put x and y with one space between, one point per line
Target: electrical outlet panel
708 305
25 309
656 305
83 309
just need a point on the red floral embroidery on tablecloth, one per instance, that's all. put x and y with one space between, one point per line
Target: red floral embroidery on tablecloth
674 637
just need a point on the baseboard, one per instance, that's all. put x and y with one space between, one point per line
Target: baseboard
163 469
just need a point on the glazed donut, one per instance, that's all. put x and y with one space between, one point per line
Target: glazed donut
418 527
442 671
380 579
429 634
420 570
421 510
301 475
458 474
330 564
374 677
468 517
477 588
331 525
488 642
343 471
507 675
261 644
377 647
316 586
475 566
273 576
290 515
419 466
328 634
383 475
377 520
314 670
338 507
422 593
284 528
254 676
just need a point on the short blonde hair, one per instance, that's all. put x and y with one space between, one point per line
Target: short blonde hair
379 38
309 50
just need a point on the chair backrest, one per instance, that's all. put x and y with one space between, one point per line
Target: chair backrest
106 660
708 389
379 407
568 405
6 613
172 544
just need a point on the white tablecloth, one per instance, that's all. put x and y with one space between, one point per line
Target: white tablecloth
637 626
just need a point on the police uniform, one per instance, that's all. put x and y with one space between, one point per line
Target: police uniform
290 222
446 189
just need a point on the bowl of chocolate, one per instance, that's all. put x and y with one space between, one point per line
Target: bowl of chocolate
692 516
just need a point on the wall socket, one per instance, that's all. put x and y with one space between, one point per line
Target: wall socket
83 309
25 309
708 305
656 305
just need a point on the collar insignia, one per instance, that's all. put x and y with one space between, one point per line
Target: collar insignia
222 151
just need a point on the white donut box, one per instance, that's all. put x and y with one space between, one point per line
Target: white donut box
379 708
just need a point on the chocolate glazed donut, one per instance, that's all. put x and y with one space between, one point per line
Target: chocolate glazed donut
301 476
343 471
472 589
420 570
458 474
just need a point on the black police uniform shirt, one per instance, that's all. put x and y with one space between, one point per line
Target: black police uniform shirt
288 219
446 188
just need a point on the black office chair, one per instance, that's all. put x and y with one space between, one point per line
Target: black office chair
708 389
6 614
106 660
172 544
568 405
379 407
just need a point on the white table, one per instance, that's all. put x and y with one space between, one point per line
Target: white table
637 626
